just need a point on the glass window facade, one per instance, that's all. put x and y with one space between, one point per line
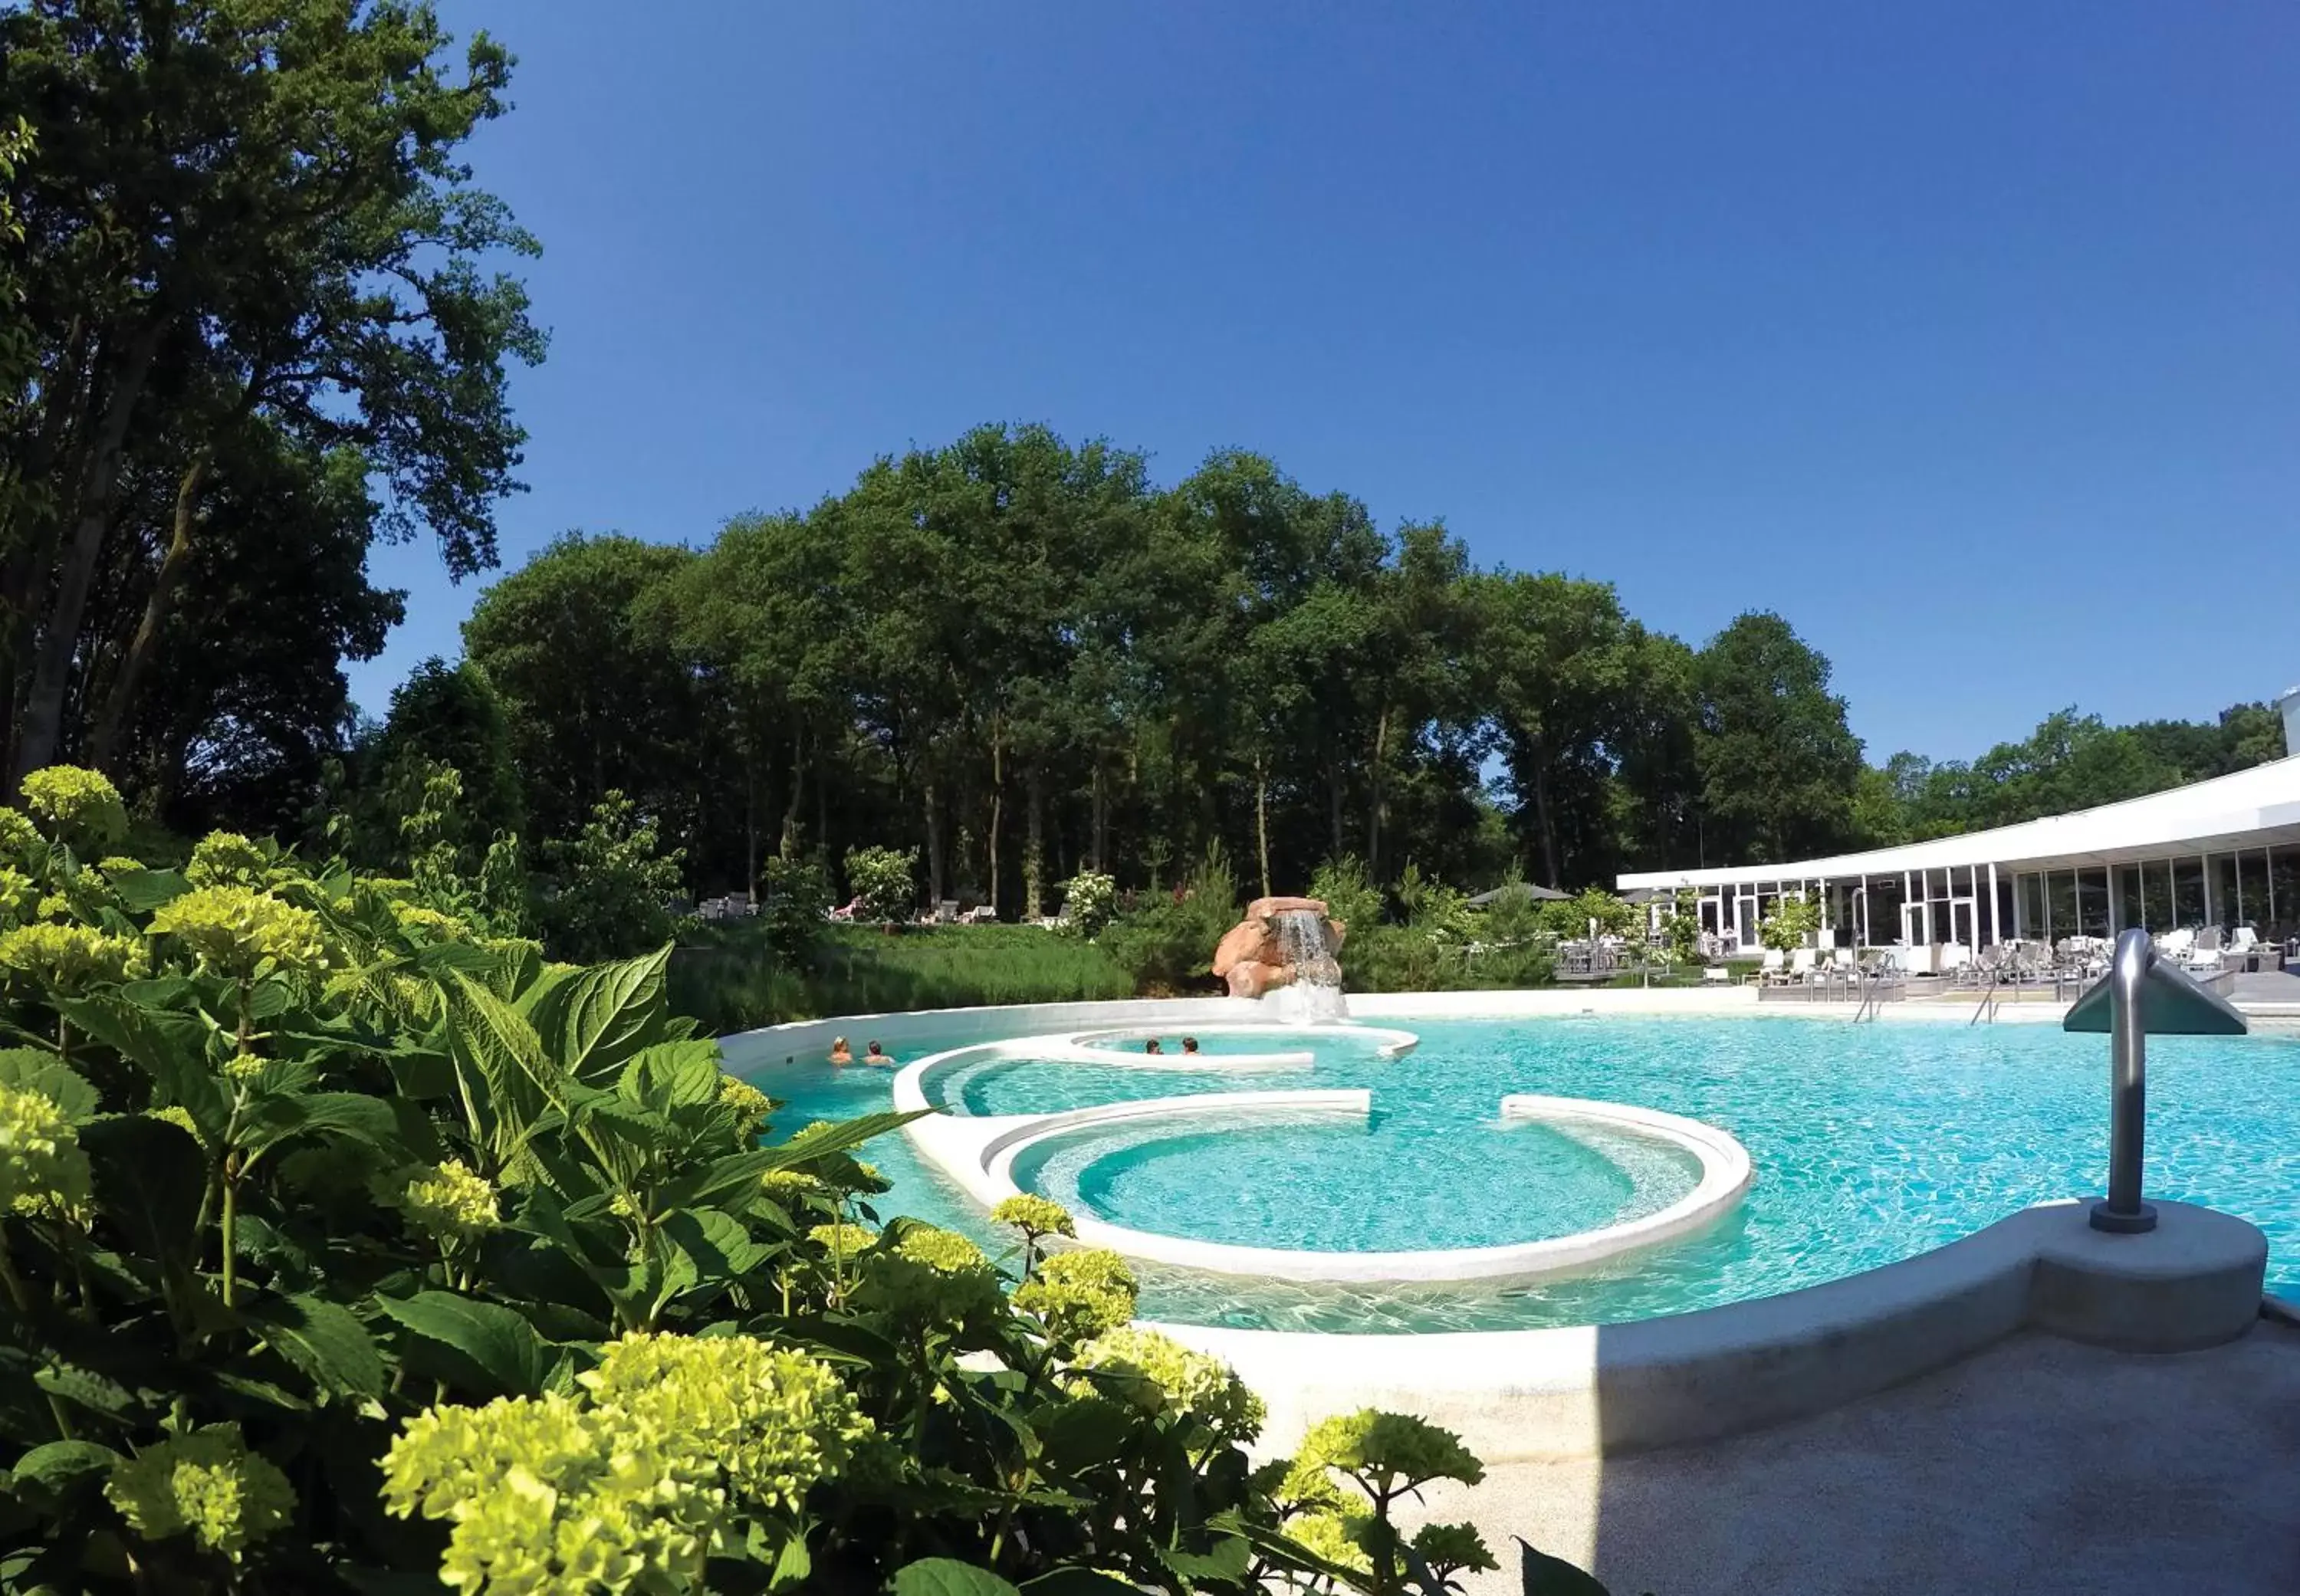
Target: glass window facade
2258 887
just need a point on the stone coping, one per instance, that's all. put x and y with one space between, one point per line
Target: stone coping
978 1152
1385 1043
2193 1281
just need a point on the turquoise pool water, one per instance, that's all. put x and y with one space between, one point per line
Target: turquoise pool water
1871 1143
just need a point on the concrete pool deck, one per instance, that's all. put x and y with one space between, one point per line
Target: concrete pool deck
2039 1465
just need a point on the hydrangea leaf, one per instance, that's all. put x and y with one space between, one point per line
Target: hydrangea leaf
58 1467
147 1175
144 891
596 1020
1545 1575
34 1071
946 1576
353 1116
479 1348
323 1340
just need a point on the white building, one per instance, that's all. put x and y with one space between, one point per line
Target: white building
2222 852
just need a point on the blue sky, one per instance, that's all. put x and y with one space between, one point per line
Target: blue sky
1965 335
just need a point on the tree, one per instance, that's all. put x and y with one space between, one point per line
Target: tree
600 699
451 714
613 887
240 728
248 221
1778 764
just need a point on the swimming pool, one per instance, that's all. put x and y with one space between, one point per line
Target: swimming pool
1871 1143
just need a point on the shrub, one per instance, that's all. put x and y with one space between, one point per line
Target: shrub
1089 900
793 917
1169 943
1791 925
1570 918
881 878
614 886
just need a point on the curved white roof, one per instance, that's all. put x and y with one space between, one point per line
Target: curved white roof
2249 808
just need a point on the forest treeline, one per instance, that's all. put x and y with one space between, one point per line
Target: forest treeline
1021 658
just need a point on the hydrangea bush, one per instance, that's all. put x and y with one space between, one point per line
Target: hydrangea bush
349 1248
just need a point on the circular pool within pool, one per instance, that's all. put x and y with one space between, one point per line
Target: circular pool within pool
1871 1143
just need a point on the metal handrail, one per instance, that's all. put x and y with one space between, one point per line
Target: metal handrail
1987 1004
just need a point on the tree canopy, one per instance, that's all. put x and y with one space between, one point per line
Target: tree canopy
266 327
1023 659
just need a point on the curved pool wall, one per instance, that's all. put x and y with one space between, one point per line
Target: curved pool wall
978 1152
1655 1382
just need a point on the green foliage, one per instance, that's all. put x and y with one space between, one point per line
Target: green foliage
1167 944
2070 761
451 715
1777 765
1570 918
1089 901
251 239
794 918
613 887
729 976
1351 899
425 1259
1682 928
1791 925
882 880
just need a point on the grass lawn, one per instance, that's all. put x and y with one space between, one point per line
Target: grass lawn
728 977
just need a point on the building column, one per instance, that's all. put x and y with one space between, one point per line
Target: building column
2211 910
1994 937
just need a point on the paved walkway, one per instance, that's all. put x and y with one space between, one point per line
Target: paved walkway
2038 1467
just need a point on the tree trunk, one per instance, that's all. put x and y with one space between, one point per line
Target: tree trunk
1098 820
787 847
997 801
146 644
1334 805
934 846
750 831
1034 848
1548 832
1262 822
1376 795
59 643
822 809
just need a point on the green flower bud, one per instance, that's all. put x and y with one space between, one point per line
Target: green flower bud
42 1169
1159 1375
72 960
1035 1216
1078 1296
750 1104
227 858
929 1274
626 1487
451 1202
843 1241
238 932
1383 1451
82 805
207 1484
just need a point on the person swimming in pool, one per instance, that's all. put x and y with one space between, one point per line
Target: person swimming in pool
839 1053
1190 1044
873 1056
1153 1046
